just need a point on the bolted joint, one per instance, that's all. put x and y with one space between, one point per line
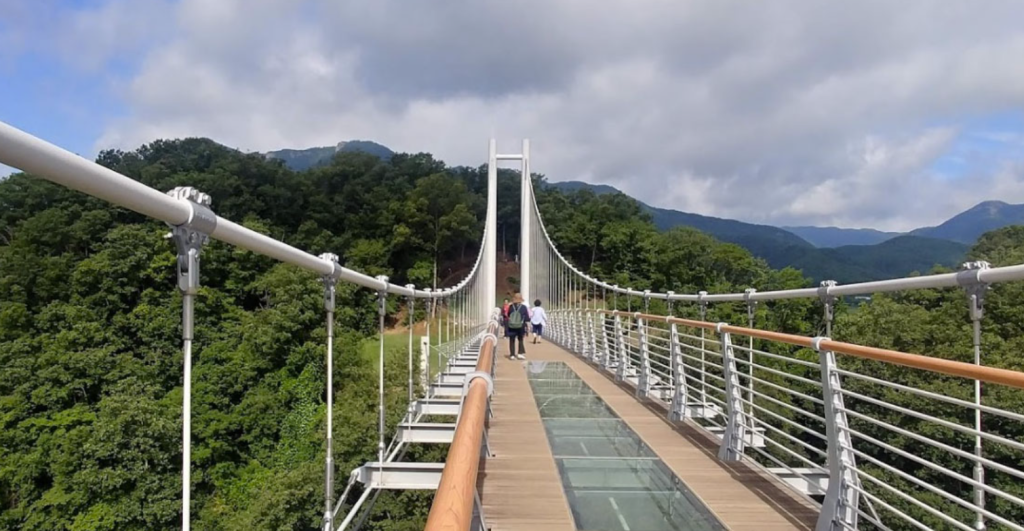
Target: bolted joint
647 301
702 305
330 281
382 295
670 301
970 279
190 236
751 303
827 298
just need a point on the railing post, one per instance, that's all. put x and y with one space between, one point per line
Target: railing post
189 239
968 278
643 386
382 308
594 355
839 509
606 347
751 313
702 308
412 323
734 438
425 352
330 283
620 369
679 398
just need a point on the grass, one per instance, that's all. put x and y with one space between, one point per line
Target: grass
399 340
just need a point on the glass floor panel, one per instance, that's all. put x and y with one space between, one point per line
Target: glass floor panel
568 446
611 478
557 428
636 511
561 387
572 407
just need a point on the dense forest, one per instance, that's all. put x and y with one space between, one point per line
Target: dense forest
90 386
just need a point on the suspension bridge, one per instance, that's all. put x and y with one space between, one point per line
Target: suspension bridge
624 417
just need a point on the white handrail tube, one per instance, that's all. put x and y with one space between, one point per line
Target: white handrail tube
21 150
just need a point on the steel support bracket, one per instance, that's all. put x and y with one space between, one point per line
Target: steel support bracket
643 387
679 398
400 475
842 499
969 279
620 368
734 438
190 236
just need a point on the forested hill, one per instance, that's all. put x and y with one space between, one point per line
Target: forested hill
890 258
90 386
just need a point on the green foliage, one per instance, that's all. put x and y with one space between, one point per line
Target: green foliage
91 386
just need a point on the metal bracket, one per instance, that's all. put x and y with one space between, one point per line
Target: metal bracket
330 281
969 278
751 305
734 438
643 387
479 374
400 475
620 369
647 301
670 301
190 236
679 410
839 508
702 305
382 296
828 300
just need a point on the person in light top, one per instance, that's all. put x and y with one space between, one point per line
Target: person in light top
538 318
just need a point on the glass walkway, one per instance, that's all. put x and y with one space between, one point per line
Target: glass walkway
612 480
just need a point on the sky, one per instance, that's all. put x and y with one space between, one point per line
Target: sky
854 114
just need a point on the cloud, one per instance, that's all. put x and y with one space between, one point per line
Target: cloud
781 112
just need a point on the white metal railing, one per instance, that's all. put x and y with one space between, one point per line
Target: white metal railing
834 429
188 211
822 417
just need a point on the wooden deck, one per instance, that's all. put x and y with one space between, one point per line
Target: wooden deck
519 484
521 488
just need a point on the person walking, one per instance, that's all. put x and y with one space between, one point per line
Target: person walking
538 318
515 327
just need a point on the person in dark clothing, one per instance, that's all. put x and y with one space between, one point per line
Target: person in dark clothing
517 318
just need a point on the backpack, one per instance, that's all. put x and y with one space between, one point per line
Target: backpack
515 317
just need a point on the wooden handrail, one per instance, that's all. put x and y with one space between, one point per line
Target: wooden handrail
916 361
452 509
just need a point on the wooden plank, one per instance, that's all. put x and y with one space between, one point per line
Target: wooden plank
519 485
740 495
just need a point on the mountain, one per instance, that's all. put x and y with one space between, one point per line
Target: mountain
838 237
304 159
968 225
761 240
892 258
895 256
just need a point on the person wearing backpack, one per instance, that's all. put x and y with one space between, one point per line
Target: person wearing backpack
515 327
